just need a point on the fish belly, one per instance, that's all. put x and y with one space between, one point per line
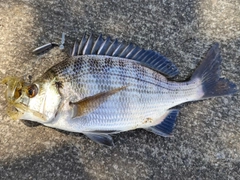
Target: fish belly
127 111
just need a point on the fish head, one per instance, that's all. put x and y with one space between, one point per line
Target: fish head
38 101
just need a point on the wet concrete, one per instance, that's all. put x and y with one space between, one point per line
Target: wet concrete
206 141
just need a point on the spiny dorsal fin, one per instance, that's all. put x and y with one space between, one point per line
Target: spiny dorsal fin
114 48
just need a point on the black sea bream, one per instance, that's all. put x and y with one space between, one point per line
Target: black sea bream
107 87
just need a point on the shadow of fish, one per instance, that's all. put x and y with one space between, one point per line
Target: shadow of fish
107 87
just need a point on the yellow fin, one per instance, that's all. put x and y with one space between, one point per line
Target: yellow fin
90 103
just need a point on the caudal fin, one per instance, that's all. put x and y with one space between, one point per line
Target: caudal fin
209 74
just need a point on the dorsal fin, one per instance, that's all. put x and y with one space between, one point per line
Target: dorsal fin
114 48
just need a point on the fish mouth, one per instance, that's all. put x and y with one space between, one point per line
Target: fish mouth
18 110
14 88
16 91
17 101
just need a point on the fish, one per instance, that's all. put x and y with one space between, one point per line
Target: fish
107 87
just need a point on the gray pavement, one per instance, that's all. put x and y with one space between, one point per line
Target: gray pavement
206 141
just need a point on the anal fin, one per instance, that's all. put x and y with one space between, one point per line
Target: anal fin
165 128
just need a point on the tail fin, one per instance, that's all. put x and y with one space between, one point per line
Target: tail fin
209 74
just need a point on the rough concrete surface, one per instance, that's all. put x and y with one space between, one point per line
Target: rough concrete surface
206 141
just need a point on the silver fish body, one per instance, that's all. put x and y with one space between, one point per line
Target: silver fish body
102 90
144 100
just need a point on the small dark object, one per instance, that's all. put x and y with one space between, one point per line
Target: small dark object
45 47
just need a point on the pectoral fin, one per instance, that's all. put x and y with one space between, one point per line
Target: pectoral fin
91 103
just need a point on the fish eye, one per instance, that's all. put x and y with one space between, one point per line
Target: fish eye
32 90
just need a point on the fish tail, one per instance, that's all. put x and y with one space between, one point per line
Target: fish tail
209 75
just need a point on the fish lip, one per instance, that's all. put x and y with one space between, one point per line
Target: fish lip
13 84
18 101
15 96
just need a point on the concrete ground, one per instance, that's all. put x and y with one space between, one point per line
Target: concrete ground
206 141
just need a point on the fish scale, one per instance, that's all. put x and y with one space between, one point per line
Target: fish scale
137 79
108 87
144 93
